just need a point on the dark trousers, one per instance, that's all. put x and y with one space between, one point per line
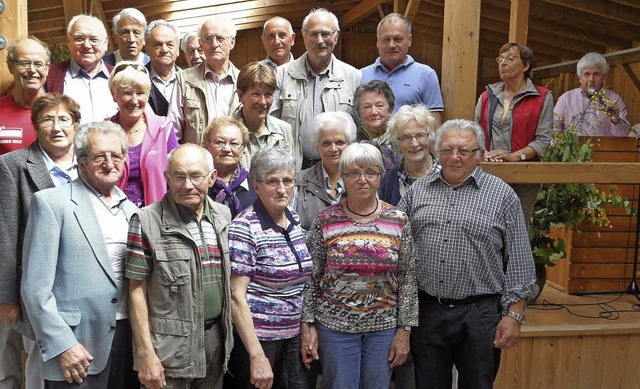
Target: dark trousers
460 335
118 373
283 355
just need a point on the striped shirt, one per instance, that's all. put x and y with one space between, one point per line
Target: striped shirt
140 259
364 274
278 264
469 240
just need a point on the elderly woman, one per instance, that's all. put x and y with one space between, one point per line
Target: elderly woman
270 265
226 139
517 116
150 137
361 299
256 84
374 102
411 131
321 185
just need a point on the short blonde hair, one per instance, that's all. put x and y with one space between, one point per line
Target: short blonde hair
129 74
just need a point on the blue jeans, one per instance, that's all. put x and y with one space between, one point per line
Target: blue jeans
355 360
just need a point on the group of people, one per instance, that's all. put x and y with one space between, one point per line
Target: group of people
223 227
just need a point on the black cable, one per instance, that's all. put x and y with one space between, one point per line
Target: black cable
608 311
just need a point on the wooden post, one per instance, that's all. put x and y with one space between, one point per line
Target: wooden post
519 21
13 26
460 47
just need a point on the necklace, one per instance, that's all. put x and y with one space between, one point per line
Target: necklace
363 214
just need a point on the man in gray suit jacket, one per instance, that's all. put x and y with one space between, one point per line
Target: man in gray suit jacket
73 281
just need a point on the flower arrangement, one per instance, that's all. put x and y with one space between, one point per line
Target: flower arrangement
568 205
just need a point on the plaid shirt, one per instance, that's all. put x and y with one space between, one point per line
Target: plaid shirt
469 240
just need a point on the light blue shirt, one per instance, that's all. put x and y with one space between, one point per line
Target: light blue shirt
60 175
91 92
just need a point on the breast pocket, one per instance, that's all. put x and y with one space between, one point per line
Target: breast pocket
174 270
289 105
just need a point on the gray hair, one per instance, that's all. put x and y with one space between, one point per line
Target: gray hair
160 22
264 27
315 11
93 18
185 39
270 160
128 13
208 159
81 141
220 21
462 125
361 154
420 113
12 48
333 120
394 16
377 86
593 59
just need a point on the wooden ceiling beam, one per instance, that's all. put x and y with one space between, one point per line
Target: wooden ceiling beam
602 8
411 10
519 21
71 9
359 12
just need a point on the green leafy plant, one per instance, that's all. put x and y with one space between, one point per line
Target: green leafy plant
568 205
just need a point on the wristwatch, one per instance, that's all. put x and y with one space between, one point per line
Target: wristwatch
519 317
523 156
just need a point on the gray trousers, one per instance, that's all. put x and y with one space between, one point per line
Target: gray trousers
10 358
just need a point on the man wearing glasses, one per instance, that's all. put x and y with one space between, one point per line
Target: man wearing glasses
73 268
28 62
129 26
473 264
206 91
314 83
85 76
178 270
411 82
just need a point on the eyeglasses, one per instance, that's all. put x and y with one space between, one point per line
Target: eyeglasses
81 39
461 152
274 183
324 34
123 65
420 137
100 158
378 107
509 58
219 39
39 65
63 121
369 176
196 179
220 144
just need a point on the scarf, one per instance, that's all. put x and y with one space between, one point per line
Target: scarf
228 192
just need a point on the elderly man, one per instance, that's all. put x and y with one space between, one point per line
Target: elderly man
128 28
85 76
162 45
277 39
473 263
190 46
47 162
178 269
314 83
28 61
592 109
73 272
411 81
208 90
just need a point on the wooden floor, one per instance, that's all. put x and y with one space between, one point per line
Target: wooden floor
557 349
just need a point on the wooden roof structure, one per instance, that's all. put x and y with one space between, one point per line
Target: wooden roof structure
556 30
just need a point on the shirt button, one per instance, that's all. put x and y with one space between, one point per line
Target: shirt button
445 240
114 300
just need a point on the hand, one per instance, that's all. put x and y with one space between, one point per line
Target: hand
613 112
151 372
496 156
399 348
261 373
75 363
9 313
507 333
308 344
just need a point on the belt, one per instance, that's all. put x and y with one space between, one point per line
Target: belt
451 302
208 324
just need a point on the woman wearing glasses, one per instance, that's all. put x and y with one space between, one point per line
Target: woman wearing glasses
517 116
270 265
256 84
362 297
226 139
150 137
412 132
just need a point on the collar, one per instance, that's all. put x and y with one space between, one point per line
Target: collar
209 73
407 61
327 72
186 216
50 164
116 193
76 70
118 57
325 179
267 222
475 178
154 74
274 65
